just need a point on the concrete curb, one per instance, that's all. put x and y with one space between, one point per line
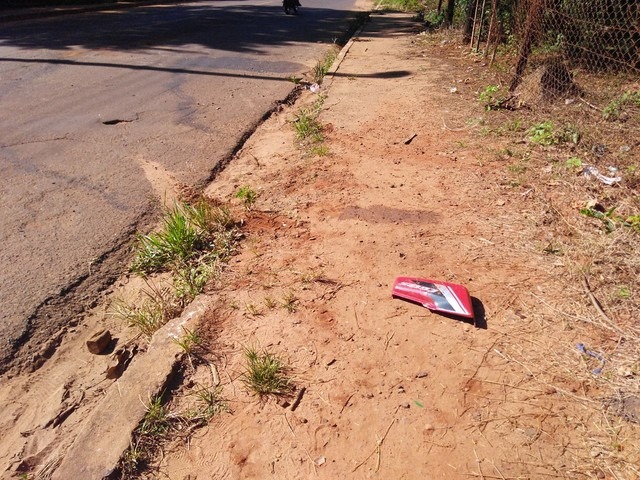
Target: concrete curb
106 433
343 53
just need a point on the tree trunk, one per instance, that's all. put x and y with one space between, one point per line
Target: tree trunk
439 7
448 18
468 24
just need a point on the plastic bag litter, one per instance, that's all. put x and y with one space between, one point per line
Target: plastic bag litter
590 172
315 88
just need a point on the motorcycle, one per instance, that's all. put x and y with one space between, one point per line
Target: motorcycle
291 6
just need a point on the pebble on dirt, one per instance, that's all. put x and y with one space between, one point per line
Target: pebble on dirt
99 341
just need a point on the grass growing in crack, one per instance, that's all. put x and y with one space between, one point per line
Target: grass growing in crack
323 65
155 421
190 341
309 130
265 373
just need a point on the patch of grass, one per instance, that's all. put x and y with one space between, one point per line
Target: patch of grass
190 341
155 421
307 126
190 280
290 302
270 303
323 65
615 110
265 373
156 308
248 196
209 402
188 232
543 133
253 310
320 150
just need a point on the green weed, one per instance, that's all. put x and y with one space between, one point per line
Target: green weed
155 421
610 221
615 110
543 134
190 341
624 293
323 65
489 97
307 127
247 195
209 402
573 163
265 373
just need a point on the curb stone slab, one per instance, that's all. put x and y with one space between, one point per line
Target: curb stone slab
106 433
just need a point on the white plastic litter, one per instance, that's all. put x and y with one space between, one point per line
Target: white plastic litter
593 172
315 88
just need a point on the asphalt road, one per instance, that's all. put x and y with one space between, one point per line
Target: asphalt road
94 106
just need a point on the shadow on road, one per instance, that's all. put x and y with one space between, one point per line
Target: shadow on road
234 28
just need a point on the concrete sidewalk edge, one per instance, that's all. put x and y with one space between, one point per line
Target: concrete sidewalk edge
107 431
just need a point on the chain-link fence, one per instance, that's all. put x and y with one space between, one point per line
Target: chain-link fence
576 60
597 36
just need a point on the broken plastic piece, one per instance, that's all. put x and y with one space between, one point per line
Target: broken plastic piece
435 295
589 172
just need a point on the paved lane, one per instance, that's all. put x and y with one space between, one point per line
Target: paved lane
100 111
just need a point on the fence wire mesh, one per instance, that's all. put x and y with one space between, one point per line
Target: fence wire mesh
573 62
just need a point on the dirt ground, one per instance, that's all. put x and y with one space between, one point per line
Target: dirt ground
392 390
389 389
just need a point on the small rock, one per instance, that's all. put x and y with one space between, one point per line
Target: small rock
422 374
400 389
500 203
320 461
405 405
369 395
99 341
428 426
